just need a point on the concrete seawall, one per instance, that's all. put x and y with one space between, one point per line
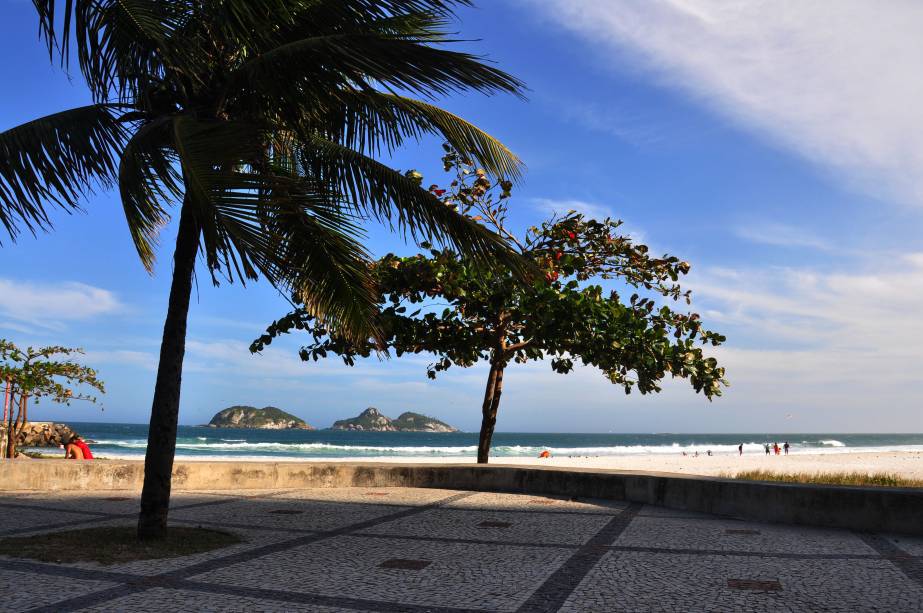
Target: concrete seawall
879 509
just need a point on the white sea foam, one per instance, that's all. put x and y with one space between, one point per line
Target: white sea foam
239 448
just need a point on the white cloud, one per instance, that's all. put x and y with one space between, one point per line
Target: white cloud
821 339
49 305
837 82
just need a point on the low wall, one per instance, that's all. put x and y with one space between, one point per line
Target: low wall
872 509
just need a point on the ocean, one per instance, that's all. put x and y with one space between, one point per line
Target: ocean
128 441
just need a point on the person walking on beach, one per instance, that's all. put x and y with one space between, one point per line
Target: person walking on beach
740 449
775 447
766 446
785 446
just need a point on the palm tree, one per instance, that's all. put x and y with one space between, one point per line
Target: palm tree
262 121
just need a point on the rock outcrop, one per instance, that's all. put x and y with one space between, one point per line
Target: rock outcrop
267 418
414 422
371 420
42 434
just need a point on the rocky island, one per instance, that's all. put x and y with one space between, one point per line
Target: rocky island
371 420
267 418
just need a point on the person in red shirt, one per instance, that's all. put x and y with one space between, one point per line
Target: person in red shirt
79 442
77 449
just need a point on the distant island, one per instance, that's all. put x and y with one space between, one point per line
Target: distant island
267 418
371 420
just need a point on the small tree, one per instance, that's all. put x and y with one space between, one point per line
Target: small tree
489 316
38 374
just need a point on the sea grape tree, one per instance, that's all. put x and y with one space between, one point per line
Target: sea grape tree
40 373
565 315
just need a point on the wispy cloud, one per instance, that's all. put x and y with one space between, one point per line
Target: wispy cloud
560 207
622 123
835 83
591 210
782 235
50 305
146 360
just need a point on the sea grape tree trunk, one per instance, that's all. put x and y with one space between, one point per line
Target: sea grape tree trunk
161 437
15 427
10 450
489 409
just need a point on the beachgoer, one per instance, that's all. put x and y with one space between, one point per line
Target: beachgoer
696 453
545 454
87 454
775 447
708 452
766 446
740 449
71 451
786 446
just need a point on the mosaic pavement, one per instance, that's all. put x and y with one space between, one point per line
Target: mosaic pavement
419 550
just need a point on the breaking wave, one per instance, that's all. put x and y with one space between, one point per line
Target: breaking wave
196 446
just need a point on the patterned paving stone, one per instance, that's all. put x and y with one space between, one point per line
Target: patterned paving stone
712 535
371 495
910 544
328 551
251 540
539 528
461 575
638 581
160 599
117 502
652 511
249 493
256 512
530 502
20 591
30 520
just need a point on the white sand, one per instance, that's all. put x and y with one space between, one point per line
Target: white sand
908 464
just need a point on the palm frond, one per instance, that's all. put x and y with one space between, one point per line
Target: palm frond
122 46
56 159
389 196
258 218
148 180
367 119
298 72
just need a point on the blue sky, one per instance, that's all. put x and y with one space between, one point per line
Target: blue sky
778 149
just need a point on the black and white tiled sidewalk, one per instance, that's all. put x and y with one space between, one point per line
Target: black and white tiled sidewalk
418 550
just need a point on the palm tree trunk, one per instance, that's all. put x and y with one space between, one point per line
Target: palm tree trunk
161 437
489 408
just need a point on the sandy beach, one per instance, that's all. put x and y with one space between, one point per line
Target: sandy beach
908 464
